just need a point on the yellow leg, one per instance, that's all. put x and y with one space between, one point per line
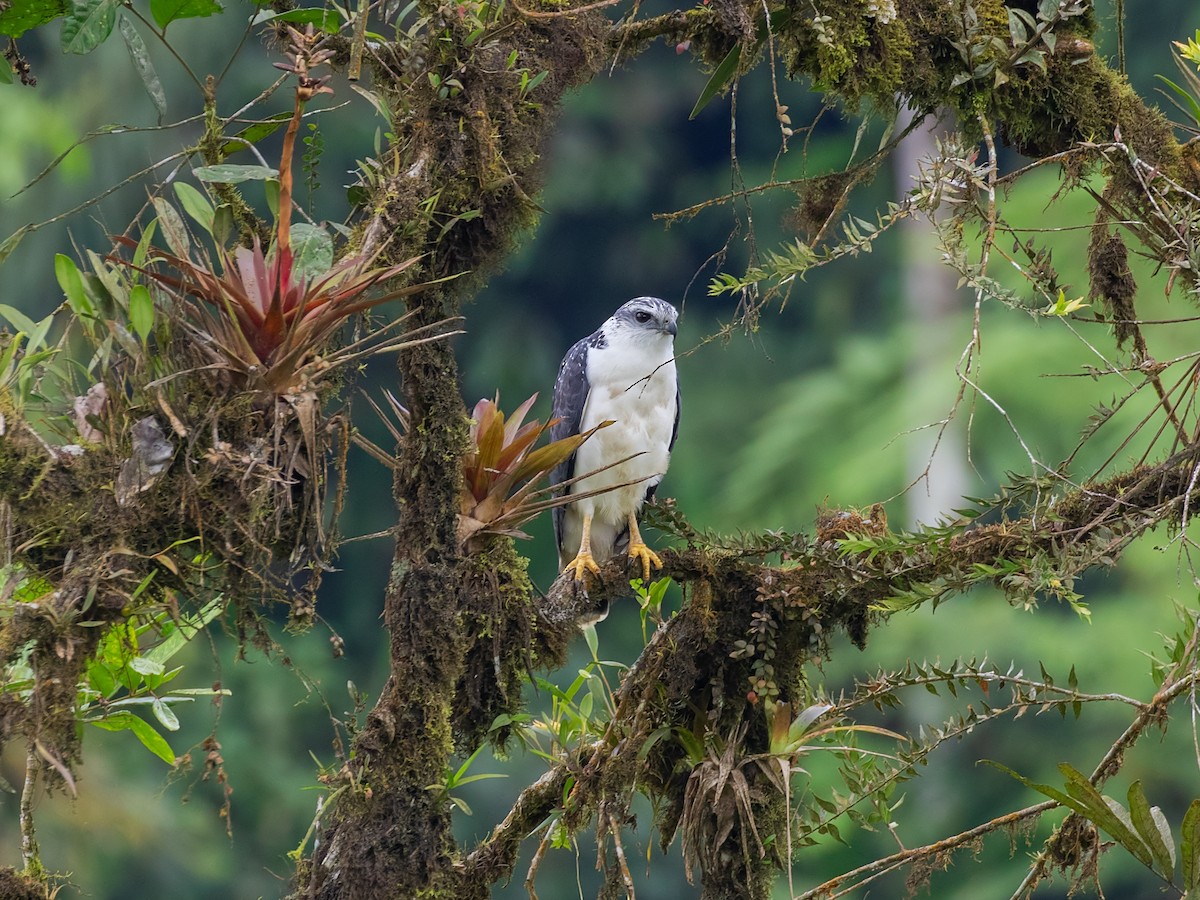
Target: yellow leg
584 561
639 551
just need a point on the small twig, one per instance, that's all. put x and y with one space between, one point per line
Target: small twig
1111 763
559 13
30 855
615 831
883 866
536 862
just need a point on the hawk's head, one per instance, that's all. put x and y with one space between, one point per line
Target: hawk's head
643 319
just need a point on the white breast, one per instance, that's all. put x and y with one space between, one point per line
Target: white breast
635 387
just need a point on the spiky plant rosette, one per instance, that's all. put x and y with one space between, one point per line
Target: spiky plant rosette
503 469
271 314
262 316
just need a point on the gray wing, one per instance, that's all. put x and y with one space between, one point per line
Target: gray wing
570 396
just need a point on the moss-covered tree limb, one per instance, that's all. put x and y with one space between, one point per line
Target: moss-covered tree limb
1076 527
477 152
828 590
456 190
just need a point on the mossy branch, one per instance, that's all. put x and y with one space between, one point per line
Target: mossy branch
839 591
493 860
1090 525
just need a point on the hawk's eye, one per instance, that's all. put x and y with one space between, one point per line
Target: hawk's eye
642 316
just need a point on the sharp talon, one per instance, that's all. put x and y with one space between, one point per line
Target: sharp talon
646 557
584 562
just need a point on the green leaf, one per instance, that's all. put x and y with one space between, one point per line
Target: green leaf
101 678
195 204
105 281
222 224
144 66
1151 824
70 279
167 11
721 76
22 322
312 248
32 589
1193 107
227 173
37 340
173 229
20 17
727 68
1052 792
143 247
1189 847
6 74
153 741
482 776
271 189
165 715
143 665
536 80
88 24
176 636
324 19
11 242
252 134
141 311
7 355
1106 813
454 779
154 682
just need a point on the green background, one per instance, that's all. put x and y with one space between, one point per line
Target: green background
817 406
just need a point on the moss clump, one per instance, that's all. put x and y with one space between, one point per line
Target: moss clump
498 617
14 886
820 198
1111 280
851 53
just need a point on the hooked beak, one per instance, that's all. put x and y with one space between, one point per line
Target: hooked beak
671 328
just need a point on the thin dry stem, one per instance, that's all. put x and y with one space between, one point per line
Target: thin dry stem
30 855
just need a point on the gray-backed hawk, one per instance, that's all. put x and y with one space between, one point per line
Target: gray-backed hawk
624 372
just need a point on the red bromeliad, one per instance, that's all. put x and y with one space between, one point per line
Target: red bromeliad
261 313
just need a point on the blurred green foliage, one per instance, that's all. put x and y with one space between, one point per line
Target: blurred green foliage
817 404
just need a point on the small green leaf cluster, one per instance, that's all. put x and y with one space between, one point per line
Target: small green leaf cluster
1187 95
127 674
1178 647
1140 828
24 357
794 260
122 677
457 778
985 54
576 715
780 602
650 600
